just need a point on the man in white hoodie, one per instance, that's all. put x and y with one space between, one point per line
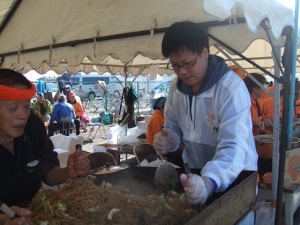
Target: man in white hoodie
208 110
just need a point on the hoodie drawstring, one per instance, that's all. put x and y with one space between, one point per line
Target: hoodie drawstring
189 106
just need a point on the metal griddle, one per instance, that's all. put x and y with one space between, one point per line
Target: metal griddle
222 208
139 180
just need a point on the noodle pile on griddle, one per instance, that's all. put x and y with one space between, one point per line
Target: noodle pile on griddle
80 202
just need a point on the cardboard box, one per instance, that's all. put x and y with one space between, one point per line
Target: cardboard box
292 168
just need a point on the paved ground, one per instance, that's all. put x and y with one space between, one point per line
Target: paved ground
101 138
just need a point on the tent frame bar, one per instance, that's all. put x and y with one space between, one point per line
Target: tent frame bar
9 14
278 79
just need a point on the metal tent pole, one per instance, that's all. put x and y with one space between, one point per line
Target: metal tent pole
293 77
285 142
276 127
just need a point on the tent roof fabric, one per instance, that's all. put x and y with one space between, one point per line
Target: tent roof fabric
125 36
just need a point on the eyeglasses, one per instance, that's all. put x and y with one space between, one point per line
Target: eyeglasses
176 67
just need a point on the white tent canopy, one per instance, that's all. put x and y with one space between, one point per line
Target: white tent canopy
125 36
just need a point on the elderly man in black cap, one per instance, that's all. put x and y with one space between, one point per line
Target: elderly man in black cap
42 107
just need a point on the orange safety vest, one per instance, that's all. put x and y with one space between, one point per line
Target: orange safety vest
254 109
154 125
297 108
78 109
266 95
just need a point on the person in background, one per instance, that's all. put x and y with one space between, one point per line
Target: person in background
297 100
271 84
26 153
157 120
260 123
268 107
265 165
238 71
55 98
208 110
101 86
78 108
262 112
42 107
64 87
61 110
266 95
61 85
155 125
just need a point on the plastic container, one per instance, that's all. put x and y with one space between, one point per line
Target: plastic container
107 118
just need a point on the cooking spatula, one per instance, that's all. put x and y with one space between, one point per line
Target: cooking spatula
166 175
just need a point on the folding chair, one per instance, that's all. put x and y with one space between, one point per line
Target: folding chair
99 159
67 125
94 128
145 151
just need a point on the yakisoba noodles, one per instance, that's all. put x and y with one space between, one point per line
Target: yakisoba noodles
80 202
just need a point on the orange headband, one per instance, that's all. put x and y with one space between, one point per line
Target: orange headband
10 93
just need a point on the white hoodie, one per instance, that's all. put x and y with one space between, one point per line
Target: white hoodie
215 127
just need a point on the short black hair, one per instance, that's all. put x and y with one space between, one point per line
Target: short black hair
250 84
10 78
184 35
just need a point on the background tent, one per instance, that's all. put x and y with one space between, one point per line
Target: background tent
125 36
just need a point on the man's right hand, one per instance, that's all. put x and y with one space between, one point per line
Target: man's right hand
259 124
23 218
164 141
197 188
267 122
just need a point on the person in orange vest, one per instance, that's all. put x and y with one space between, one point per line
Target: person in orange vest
297 100
268 107
265 95
259 122
238 71
157 119
268 103
78 109
155 125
